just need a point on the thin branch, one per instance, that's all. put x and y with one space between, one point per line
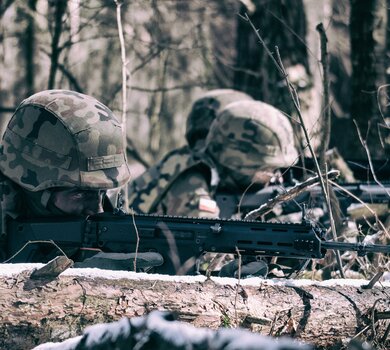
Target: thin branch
364 144
262 42
55 52
181 269
325 101
35 242
379 222
238 283
175 87
125 74
294 96
72 79
292 32
7 109
137 243
379 101
288 195
133 152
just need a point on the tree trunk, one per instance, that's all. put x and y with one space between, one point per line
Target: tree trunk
367 48
325 314
59 11
283 26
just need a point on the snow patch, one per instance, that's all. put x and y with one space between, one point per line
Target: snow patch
8 270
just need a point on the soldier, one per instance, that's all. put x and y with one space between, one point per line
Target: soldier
60 154
201 116
247 142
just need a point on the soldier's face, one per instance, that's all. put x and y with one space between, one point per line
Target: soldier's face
79 202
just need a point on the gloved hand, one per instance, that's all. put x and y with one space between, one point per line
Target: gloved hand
122 261
250 267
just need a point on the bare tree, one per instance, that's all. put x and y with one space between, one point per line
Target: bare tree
59 11
367 71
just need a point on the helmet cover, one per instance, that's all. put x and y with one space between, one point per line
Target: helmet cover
61 138
248 136
205 109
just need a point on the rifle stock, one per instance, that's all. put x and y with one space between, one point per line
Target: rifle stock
187 238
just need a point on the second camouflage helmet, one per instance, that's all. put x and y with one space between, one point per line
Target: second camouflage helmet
61 138
251 135
205 109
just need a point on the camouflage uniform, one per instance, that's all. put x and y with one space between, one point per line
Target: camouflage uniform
187 169
58 139
160 188
247 136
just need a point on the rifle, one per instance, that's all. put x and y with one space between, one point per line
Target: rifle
180 240
370 193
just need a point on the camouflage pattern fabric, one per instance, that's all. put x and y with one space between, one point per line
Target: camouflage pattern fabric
160 331
180 183
190 195
11 201
60 138
248 136
174 186
204 111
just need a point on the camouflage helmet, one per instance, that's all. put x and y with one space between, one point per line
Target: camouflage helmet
205 109
61 138
248 136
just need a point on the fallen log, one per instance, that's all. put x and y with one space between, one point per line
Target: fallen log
326 314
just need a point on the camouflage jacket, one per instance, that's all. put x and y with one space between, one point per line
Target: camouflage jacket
182 183
10 199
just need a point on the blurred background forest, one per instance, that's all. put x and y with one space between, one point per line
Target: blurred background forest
176 49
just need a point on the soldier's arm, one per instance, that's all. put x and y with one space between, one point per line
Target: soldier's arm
190 195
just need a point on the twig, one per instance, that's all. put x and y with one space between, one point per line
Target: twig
242 198
379 102
125 74
187 86
262 42
375 279
325 85
294 96
72 79
137 244
302 40
35 242
361 332
333 226
181 269
386 334
365 146
380 223
373 313
238 284
60 9
132 150
288 195
7 109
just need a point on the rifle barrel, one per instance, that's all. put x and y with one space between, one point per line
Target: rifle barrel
357 247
